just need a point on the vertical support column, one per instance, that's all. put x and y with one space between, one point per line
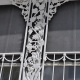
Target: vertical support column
75 67
47 3
51 9
53 67
36 13
35 40
64 61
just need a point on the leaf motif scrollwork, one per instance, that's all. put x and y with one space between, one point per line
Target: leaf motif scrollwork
36 23
53 7
35 40
24 5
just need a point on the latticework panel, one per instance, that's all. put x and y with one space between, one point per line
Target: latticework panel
62 66
10 66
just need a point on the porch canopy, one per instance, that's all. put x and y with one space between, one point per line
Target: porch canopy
9 2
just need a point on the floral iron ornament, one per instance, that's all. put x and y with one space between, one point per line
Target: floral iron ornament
37 14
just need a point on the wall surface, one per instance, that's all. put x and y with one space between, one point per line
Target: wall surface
64 28
12 29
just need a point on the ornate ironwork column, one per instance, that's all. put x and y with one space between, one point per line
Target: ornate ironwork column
37 14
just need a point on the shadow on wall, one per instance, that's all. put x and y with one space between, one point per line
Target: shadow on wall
12 28
64 28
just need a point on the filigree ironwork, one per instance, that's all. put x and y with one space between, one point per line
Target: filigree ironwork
35 41
34 12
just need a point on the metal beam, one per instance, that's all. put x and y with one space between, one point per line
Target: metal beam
9 2
5 2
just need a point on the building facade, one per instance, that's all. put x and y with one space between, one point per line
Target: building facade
42 43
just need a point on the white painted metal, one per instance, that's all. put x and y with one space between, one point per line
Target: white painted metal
53 68
35 42
64 63
46 32
68 52
11 68
64 59
25 38
9 64
2 66
15 53
5 2
75 68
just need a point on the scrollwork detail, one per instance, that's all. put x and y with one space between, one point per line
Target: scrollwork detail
24 5
35 40
36 23
53 7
